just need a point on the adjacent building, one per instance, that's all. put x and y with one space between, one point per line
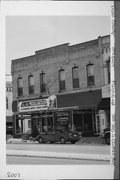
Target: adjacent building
65 86
9 114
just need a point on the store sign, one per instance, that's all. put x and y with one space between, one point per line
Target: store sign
106 91
36 105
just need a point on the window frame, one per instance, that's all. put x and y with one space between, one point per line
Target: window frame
30 87
42 83
62 86
19 88
90 79
74 80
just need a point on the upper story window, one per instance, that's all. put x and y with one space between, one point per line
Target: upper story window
6 102
75 77
31 84
90 75
9 89
42 83
61 79
108 70
20 86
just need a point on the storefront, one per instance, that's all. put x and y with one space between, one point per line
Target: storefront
39 116
104 108
84 118
34 115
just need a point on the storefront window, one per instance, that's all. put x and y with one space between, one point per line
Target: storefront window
19 126
62 120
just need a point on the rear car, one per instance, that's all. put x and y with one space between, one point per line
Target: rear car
106 135
61 136
9 130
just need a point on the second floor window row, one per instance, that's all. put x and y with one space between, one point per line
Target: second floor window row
90 74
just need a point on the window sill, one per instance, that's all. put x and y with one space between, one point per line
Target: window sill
76 88
62 91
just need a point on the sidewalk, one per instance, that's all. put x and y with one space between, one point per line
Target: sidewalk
78 156
85 140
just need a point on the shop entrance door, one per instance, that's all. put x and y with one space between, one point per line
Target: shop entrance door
88 125
78 122
97 124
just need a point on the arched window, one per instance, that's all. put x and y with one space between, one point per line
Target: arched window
31 84
42 83
61 79
20 86
75 77
90 75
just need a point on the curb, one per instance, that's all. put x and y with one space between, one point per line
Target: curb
78 156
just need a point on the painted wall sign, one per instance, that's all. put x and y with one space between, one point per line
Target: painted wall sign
39 104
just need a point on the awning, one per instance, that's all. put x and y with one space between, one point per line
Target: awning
84 100
104 104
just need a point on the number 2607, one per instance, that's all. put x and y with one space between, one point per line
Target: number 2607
14 175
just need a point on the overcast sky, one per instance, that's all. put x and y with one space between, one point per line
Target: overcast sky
25 35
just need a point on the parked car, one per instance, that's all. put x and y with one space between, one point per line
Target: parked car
9 130
61 136
106 135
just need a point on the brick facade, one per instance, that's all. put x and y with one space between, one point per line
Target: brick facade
65 57
52 59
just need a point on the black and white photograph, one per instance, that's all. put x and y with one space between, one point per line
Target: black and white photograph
57 91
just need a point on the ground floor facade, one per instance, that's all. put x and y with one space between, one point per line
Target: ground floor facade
76 112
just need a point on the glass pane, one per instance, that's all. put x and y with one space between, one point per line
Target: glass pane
90 70
42 78
31 89
19 81
31 80
75 73
20 91
76 83
62 85
91 81
62 75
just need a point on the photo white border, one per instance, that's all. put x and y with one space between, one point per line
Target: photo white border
35 8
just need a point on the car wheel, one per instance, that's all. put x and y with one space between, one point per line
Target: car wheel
62 140
107 139
40 140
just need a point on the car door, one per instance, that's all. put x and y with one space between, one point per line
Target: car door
51 136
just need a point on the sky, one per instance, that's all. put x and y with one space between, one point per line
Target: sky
25 35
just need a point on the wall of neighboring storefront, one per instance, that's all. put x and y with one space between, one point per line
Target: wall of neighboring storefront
9 120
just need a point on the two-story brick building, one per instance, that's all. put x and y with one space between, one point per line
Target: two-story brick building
9 118
61 86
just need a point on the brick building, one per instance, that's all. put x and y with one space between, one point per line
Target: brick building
9 118
76 78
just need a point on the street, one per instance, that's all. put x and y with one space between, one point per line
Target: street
28 152
50 161
71 148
